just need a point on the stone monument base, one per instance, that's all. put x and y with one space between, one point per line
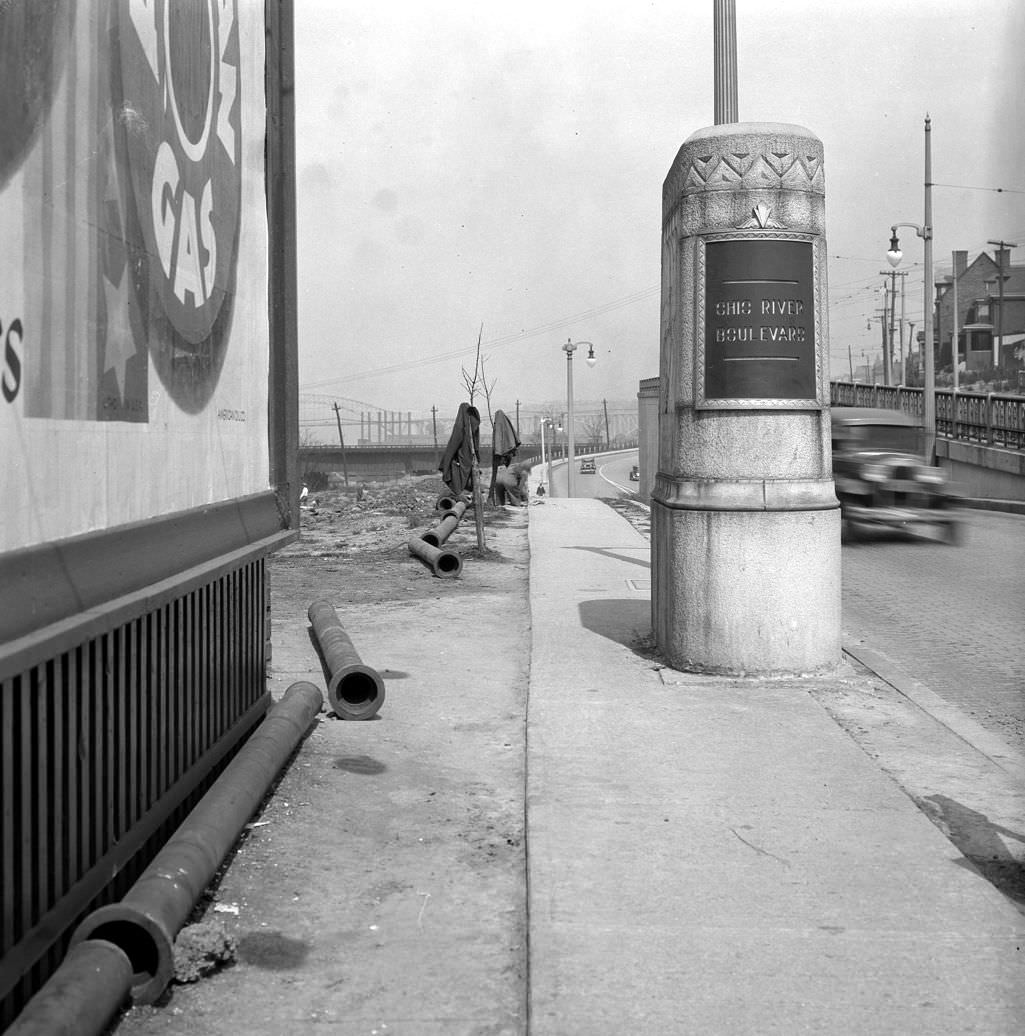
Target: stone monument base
746 592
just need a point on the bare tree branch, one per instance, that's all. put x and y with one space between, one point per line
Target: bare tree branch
471 382
488 389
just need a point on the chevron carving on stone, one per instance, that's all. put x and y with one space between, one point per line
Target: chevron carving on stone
775 168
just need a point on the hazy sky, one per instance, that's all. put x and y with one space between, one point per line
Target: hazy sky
468 163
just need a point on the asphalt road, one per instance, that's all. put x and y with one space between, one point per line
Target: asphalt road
610 480
954 617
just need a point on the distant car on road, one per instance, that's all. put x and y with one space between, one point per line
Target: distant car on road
635 474
882 478
587 466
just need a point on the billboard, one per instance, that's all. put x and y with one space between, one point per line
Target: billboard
134 327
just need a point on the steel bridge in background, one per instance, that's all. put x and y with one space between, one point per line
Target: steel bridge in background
379 460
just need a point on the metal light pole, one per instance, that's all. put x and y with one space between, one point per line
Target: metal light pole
547 421
725 67
569 348
894 256
543 456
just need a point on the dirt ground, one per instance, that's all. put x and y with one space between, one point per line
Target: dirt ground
380 889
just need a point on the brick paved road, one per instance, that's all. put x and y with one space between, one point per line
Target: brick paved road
953 617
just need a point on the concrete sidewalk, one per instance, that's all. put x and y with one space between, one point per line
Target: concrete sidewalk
714 855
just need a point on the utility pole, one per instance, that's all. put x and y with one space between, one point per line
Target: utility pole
955 354
850 361
903 372
887 326
881 317
517 418
1004 247
341 440
434 419
928 304
892 323
888 339
608 439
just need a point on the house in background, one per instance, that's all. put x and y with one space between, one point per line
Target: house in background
990 314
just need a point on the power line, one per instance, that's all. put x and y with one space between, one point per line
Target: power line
861 296
970 187
554 325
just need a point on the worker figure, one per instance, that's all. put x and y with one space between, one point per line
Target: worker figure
508 487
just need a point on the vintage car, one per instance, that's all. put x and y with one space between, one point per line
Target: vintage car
882 479
587 466
635 474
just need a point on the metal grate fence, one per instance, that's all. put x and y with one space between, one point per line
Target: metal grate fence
105 747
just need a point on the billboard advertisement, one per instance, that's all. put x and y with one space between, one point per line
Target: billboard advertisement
134 328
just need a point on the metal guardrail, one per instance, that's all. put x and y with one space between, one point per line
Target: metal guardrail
390 447
983 418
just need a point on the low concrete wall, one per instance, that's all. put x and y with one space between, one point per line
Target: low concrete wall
984 472
647 437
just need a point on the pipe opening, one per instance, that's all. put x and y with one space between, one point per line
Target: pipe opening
448 563
136 944
357 688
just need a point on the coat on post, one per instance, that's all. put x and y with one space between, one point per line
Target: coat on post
462 450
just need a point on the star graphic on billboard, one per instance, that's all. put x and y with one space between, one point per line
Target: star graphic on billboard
119 343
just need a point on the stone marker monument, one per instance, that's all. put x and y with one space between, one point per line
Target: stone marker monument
745 521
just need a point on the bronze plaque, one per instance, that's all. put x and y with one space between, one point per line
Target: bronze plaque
759 341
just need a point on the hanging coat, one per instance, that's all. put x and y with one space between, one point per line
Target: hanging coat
504 444
504 440
462 450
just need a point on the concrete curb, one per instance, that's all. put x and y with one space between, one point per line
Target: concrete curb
1007 506
954 719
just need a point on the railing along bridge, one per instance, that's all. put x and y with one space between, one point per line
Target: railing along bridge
983 418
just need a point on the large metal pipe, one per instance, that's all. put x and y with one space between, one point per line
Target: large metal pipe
82 996
440 532
355 690
145 923
450 501
445 562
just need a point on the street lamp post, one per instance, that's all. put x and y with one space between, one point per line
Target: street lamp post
894 256
549 423
569 348
543 455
